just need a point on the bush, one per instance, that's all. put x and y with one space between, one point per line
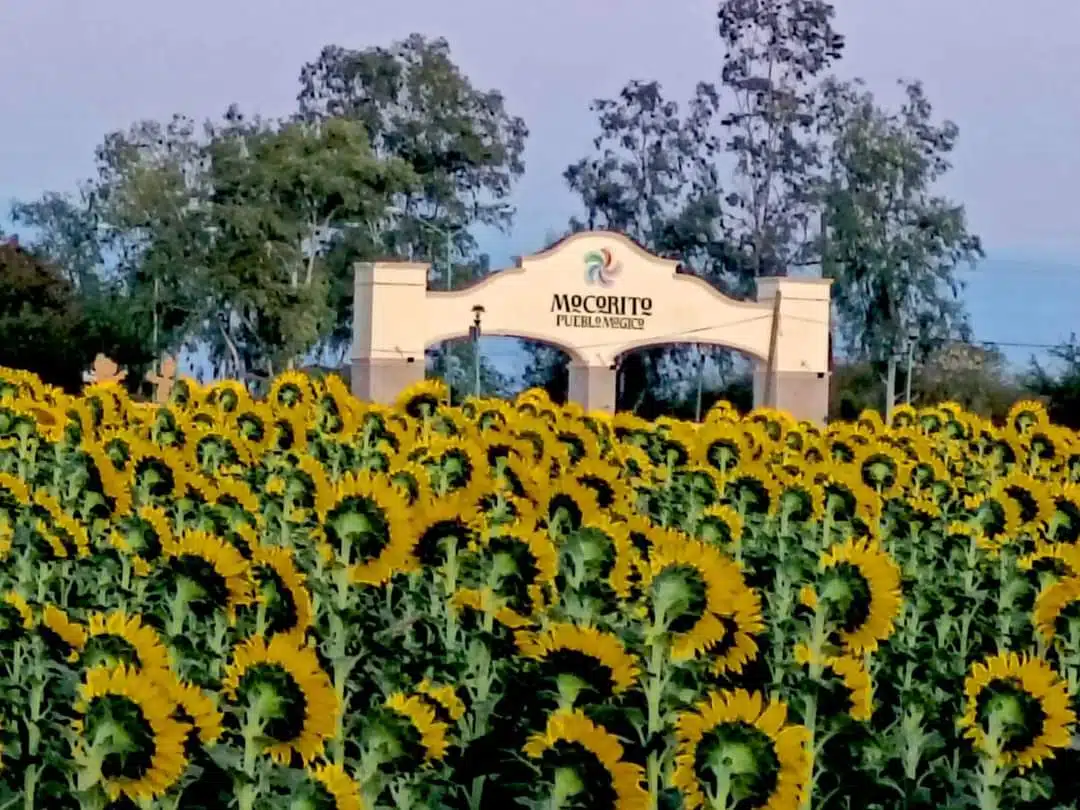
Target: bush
313 602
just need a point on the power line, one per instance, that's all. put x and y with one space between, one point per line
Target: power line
1005 344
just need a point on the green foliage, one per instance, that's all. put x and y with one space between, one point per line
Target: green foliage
1059 387
419 107
47 328
893 244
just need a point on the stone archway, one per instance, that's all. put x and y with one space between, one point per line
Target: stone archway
596 295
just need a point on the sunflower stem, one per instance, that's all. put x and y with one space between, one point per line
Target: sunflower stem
251 730
721 799
991 775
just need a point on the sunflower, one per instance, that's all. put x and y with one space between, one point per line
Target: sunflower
251 423
148 532
581 657
422 399
444 697
62 632
156 472
369 528
487 602
290 392
319 491
421 718
340 791
721 445
601 477
227 396
753 488
455 465
211 573
526 562
1017 709
284 594
129 742
603 545
285 690
695 593
565 503
439 522
1054 603
720 525
999 514
1025 415
574 744
736 747
16 617
864 591
882 468
196 708
852 672
117 638
64 533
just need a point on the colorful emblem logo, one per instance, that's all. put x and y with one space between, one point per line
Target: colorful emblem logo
601 267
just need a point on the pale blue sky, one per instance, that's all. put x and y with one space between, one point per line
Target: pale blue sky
73 70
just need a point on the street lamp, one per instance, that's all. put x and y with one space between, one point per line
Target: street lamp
474 333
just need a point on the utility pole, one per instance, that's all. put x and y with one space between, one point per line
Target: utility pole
912 337
700 384
890 388
474 333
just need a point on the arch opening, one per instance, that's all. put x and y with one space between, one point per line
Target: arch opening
684 380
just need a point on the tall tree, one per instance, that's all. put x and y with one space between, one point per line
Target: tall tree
417 105
727 187
64 229
776 54
894 243
283 198
145 201
461 142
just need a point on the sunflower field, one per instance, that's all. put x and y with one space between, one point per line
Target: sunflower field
313 603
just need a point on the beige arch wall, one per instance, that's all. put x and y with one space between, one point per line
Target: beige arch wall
557 297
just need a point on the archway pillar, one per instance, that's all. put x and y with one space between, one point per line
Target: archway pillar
795 377
592 387
389 302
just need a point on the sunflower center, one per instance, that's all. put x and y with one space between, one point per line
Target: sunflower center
359 524
678 597
277 698
117 728
848 594
456 469
278 602
111 651
723 455
1017 713
579 779
1029 507
202 587
514 565
879 471
578 675
743 757
432 547
1068 518
155 476
797 504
